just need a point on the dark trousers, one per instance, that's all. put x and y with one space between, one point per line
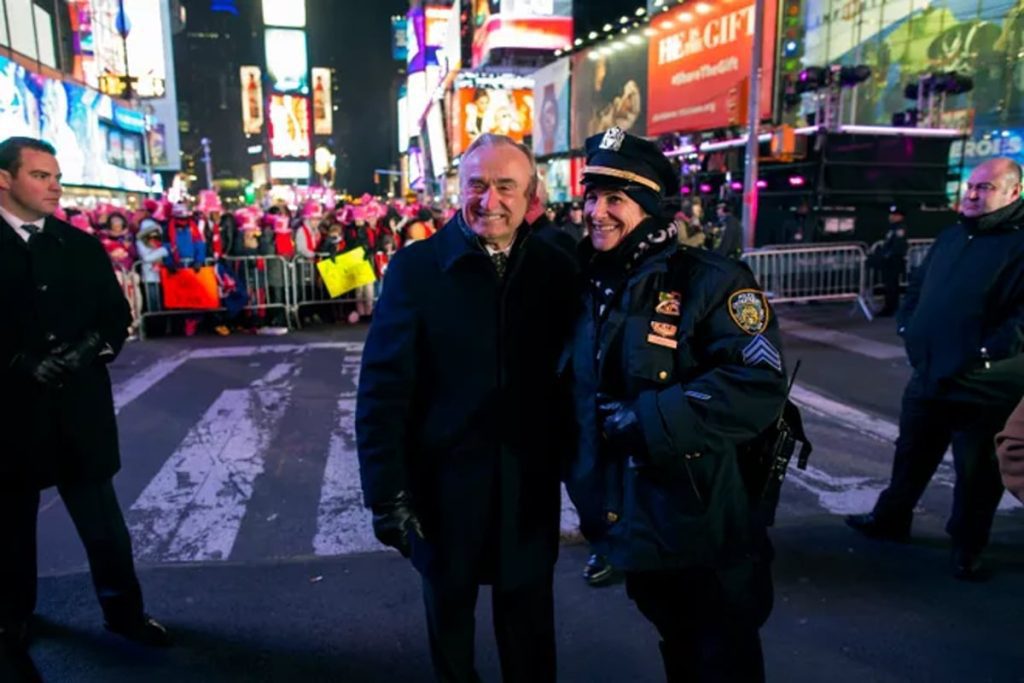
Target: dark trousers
928 426
891 287
524 627
708 620
97 516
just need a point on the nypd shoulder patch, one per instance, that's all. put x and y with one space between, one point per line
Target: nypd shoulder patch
748 308
761 351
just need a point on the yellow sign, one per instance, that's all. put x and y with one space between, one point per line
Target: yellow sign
346 272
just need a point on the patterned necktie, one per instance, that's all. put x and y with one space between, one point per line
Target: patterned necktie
500 260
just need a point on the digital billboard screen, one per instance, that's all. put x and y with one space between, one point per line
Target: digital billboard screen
323 112
287 65
490 110
252 99
289 13
100 50
551 108
289 126
98 144
609 88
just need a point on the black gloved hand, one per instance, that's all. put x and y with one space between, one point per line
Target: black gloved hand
620 426
74 357
394 521
48 371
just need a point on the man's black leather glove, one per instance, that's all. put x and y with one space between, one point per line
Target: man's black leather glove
49 371
394 521
74 357
621 427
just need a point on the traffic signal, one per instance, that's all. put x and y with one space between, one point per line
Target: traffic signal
791 41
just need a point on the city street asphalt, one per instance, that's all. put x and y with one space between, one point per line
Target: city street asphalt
285 583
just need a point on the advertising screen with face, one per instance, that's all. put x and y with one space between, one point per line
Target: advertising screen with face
490 110
609 88
551 109
289 126
287 65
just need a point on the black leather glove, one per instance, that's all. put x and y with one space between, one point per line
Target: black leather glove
394 521
75 357
621 427
48 371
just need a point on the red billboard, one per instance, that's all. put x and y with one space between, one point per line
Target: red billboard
698 66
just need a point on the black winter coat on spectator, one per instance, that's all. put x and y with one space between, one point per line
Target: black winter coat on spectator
458 403
52 292
964 307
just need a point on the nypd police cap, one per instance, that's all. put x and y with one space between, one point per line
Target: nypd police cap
616 158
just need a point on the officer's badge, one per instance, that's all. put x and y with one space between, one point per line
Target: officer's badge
668 304
749 310
613 139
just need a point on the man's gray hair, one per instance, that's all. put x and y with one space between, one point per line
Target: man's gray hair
494 140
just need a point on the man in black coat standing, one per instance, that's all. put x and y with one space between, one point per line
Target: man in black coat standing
962 321
65 318
458 414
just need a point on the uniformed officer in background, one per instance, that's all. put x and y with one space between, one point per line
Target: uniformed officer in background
675 362
65 318
890 260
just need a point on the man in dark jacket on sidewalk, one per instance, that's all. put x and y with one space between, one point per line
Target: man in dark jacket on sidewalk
458 412
963 324
65 318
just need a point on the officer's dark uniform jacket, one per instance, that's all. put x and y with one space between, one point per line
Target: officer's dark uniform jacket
53 291
964 308
892 253
682 504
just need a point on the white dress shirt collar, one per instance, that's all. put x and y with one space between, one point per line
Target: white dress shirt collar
16 223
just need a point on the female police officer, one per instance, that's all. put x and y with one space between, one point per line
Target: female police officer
675 362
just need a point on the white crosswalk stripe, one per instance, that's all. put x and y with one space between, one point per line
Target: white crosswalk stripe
193 508
343 522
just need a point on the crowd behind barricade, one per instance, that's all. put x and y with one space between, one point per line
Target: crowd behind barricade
254 251
257 252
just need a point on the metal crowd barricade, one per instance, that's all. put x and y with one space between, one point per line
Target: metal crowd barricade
309 290
834 272
267 281
917 249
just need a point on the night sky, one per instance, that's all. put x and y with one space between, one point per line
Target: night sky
355 39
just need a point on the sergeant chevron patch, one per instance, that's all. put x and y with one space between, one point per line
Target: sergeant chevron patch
760 350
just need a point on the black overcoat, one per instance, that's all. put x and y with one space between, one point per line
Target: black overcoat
54 292
458 402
